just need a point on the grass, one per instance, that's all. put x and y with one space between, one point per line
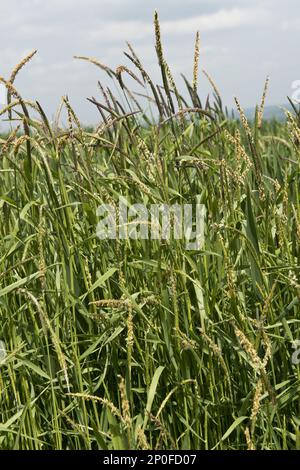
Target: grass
139 344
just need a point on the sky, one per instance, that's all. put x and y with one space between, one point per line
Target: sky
242 41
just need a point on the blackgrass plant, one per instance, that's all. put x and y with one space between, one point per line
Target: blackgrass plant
142 344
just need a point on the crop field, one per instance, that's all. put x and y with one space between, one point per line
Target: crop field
143 343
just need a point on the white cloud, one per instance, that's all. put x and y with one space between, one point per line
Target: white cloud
222 19
121 30
292 24
137 30
38 32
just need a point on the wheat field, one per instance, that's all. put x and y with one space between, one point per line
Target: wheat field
142 344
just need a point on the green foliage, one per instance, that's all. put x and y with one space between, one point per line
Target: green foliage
119 344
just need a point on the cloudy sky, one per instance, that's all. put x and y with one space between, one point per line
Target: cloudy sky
242 41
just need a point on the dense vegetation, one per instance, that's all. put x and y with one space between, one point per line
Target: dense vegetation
119 344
